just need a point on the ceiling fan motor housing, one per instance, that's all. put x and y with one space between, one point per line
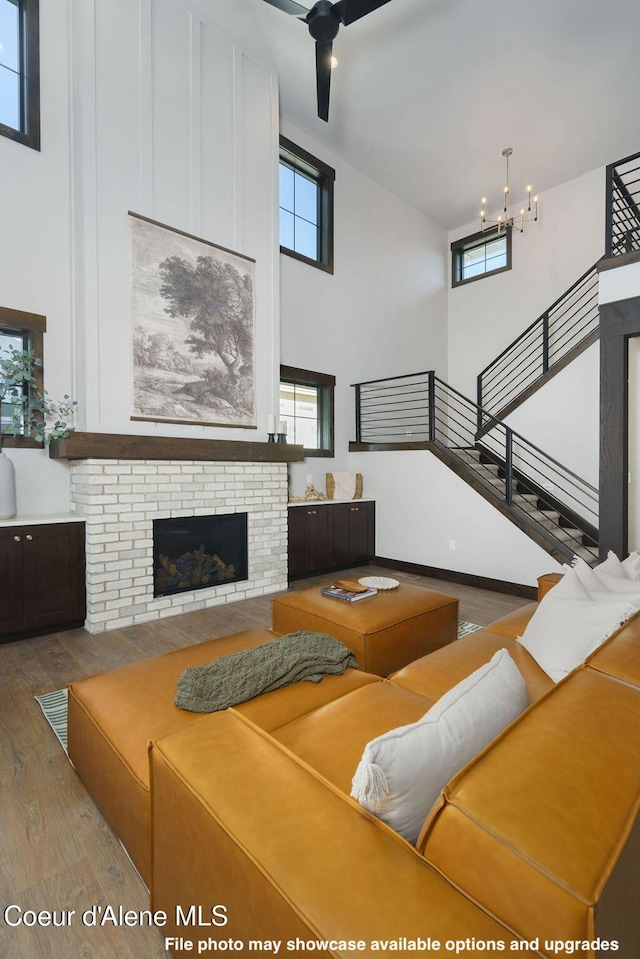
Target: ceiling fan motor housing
324 22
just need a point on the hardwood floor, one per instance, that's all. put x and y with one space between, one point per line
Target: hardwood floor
58 853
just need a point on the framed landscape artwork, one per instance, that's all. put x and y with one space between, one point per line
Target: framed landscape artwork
193 311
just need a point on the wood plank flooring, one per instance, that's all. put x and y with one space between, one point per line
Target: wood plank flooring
57 852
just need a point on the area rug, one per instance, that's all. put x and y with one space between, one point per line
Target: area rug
54 705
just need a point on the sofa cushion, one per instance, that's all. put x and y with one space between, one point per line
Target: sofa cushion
620 655
513 624
433 675
331 739
535 828
402 772
114 715
563 632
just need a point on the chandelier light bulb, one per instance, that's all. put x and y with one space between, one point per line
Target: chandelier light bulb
334 62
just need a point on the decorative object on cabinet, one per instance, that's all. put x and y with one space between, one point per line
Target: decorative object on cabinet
196 365
26 410
310 493
344 486
42 568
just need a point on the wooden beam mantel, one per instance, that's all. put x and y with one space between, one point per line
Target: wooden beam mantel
125 446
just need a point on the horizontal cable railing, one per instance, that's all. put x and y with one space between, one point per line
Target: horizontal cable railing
421 407
622 226
544 344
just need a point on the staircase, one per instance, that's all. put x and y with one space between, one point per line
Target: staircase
554 506
570 324
554 340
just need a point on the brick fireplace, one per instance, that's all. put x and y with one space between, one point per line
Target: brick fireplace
120 497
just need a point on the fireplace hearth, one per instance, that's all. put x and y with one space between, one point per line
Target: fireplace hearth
199 552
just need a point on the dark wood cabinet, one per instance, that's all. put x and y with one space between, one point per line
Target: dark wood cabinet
42 571
325 536
353 532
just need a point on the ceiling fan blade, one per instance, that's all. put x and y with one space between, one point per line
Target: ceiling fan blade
351 10
289 6
323 78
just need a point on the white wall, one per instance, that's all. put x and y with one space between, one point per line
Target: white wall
484 317
185 132
35 247
148 106
382 312
421 505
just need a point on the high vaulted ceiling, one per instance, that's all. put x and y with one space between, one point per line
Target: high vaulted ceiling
428 93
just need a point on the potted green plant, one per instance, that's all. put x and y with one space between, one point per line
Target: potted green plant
24 410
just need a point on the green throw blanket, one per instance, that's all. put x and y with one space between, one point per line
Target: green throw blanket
240 676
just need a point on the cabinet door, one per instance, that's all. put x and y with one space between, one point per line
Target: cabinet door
11 593
53 574
320 531
361 531
353 532
310 539
298 541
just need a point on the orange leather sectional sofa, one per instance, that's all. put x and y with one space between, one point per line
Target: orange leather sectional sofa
536 839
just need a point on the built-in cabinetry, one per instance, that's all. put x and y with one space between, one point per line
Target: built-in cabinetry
42 572
326 536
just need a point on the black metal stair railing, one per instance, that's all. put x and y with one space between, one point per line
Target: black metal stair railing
622 218
542 346
421 408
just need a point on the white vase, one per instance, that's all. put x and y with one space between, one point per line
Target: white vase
7 487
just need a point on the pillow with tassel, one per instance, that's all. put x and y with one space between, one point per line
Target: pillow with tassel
403 772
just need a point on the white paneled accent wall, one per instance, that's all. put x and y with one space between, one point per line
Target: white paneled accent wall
120 499
176 122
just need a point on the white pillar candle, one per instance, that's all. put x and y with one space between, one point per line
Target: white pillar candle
271 423
282 427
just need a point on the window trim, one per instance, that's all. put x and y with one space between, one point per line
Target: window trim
29 132
327 382
35 325
468 243
324 176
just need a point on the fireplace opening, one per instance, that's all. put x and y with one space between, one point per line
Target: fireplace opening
197 552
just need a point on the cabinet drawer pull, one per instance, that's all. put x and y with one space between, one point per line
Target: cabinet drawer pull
29 537
17 539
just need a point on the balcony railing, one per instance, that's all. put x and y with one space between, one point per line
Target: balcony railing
622 233
420 408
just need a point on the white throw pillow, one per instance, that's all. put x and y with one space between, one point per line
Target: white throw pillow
629 568
403 772
601 586
563 632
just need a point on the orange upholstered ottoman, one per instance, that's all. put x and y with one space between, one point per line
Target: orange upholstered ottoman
385 632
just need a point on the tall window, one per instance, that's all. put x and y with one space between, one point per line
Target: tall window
22 331
479 255
306 406
20 71
306 206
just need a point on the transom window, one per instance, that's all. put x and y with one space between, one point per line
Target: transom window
479 255
306 406
20 71
306 206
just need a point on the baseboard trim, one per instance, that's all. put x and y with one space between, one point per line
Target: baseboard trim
465 579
